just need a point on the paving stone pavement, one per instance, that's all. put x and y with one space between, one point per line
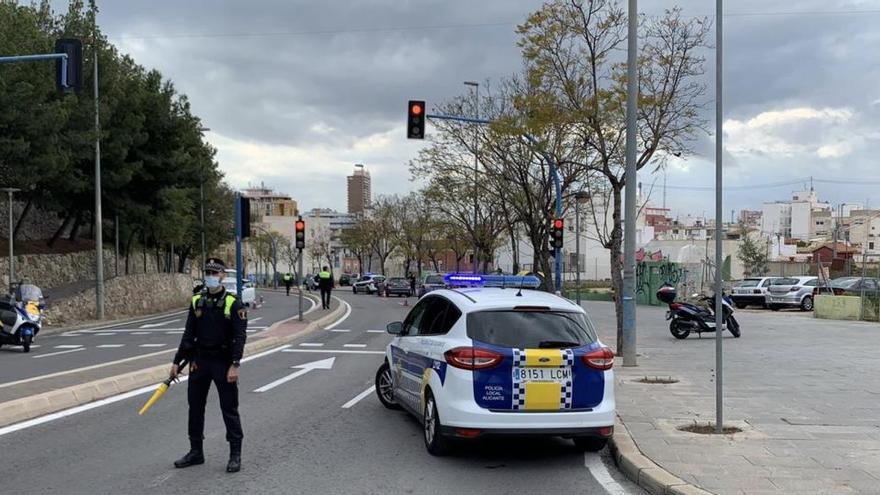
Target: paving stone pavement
804 391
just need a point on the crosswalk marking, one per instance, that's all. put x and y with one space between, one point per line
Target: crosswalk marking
354 345
110 346
375 331
311 344
68 346
151 345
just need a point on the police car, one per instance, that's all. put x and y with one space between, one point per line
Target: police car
499 360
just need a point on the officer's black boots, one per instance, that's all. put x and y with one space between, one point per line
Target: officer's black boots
234 464
194 457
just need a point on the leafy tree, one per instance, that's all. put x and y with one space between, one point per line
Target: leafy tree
753 255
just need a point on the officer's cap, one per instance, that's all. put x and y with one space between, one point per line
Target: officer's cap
215 265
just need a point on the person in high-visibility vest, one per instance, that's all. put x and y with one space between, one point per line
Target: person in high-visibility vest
325 283
288 281
213 343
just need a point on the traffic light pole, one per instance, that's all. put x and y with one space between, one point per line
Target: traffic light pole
39 58
238 258
554 171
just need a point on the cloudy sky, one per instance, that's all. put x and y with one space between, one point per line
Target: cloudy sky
296 92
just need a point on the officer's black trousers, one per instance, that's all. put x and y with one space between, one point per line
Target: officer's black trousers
288 288
213 369
325 298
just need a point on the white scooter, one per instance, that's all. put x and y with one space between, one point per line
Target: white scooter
21 316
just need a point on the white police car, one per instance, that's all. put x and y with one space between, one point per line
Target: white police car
481 361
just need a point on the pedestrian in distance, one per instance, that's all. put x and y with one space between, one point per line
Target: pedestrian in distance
412 283
213 343
288 281
324 280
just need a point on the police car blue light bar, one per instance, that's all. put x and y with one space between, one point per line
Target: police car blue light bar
504 281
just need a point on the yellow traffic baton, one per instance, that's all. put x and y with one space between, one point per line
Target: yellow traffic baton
160 391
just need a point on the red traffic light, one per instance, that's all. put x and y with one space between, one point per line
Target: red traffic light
416 109
558 223
300 225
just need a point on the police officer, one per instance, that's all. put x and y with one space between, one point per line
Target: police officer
213 343
288 281
325 283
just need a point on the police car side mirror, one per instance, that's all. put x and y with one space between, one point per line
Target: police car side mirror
395 328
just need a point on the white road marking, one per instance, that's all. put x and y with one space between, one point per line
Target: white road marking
597 468
68 346
174 332
60 352
334 351
110 346
105 334
323 364
151 345
70 334
85 368
341 330
354 345
346 315
375 331
314 305
311 344
140 333
109 400
359 397
160 324
255 319
132 322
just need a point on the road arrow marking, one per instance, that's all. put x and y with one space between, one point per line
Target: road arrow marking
161 324
323 364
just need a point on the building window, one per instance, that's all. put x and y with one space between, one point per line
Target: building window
870 245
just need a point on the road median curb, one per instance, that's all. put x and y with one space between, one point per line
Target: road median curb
646 473
25 408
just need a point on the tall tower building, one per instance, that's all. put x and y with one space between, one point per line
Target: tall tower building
359 195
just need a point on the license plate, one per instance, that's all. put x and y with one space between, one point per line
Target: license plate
542 374
777 299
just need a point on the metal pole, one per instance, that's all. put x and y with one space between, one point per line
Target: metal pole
577 248
238 257
628 347
116 239
202 207
99 238
10 191
476 87
274 263
298 277
719 228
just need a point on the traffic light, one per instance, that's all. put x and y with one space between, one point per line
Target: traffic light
74 50
300 234
556 233
245 216
415 123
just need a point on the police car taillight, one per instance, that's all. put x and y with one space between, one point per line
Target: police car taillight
600 359
470 358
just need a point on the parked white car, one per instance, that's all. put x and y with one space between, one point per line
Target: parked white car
795 292
753 291
248 292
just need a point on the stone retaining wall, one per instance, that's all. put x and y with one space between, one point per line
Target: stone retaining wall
54 270
124 296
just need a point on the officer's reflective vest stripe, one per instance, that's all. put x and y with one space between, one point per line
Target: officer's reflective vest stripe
227 307
324 275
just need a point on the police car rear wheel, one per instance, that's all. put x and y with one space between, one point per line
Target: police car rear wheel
590 444
435 442
384 387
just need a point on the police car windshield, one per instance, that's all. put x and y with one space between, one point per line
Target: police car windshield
434 279
530 329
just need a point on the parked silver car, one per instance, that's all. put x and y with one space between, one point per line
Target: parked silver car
792 292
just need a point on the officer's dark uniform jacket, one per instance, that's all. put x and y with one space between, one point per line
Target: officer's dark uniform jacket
216 327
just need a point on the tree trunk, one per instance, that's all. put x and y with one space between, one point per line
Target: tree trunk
60 231
74 231
419 268
20 222
128 243
181 263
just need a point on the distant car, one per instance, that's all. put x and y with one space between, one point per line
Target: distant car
248 291
397 286
850 286
431 283
368 283
752 291
309 282
345 280
792 292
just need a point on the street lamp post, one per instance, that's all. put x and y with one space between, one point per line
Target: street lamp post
579 196
202 203
10 191
476 87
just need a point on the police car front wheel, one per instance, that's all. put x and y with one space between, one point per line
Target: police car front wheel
384 387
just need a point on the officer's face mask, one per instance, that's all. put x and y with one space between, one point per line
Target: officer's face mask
212 281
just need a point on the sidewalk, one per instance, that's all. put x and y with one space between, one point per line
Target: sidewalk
804 391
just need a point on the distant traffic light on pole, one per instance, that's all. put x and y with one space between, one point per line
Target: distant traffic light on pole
556 233
415 122
245 216
300 233
69 73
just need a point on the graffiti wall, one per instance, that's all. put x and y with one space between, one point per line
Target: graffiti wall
651 275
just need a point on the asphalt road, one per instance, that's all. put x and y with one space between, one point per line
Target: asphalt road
321 431
102 344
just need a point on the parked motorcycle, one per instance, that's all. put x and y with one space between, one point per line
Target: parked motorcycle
686 317
21 316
